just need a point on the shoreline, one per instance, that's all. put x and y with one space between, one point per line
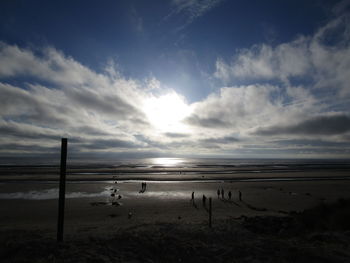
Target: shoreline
185 177
216 180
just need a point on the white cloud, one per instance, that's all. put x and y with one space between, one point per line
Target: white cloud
323 57
68 98
243 108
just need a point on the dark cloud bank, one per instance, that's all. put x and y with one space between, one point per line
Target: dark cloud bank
321 125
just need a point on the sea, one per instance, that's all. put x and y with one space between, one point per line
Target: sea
39 180
175 165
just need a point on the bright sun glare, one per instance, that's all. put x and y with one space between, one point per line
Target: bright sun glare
167 112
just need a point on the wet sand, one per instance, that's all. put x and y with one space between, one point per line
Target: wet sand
162 202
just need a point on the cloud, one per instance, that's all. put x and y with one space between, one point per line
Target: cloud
192 9
195 120
27 131
323 59
341 7
29 148
109 144
220 140
309 143
321 125
239 107
60 97
265 62
176 135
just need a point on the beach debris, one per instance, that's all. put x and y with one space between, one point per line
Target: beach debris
119 197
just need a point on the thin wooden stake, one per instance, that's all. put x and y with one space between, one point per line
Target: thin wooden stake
62 190
210 214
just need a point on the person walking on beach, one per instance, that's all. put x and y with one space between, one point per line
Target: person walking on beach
192 197
218 192
240 195
229 195
222 193
204 199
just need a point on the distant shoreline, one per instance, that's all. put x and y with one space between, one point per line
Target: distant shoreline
123 178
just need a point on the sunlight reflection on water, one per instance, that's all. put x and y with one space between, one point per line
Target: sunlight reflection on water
167 161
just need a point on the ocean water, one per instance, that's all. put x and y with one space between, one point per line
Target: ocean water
166 165
225 162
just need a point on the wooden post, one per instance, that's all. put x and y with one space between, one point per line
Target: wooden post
210 212
62 190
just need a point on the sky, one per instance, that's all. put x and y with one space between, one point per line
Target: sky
175 78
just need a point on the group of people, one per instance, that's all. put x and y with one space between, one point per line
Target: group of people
222 193
219 192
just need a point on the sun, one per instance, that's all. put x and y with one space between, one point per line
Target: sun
167 112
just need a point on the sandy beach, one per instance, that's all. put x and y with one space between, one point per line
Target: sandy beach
90 204
165 215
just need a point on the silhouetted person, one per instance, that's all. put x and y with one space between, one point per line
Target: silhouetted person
218 192
204 199
222 193
192 196
145 187
229 195
240 195
119 197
